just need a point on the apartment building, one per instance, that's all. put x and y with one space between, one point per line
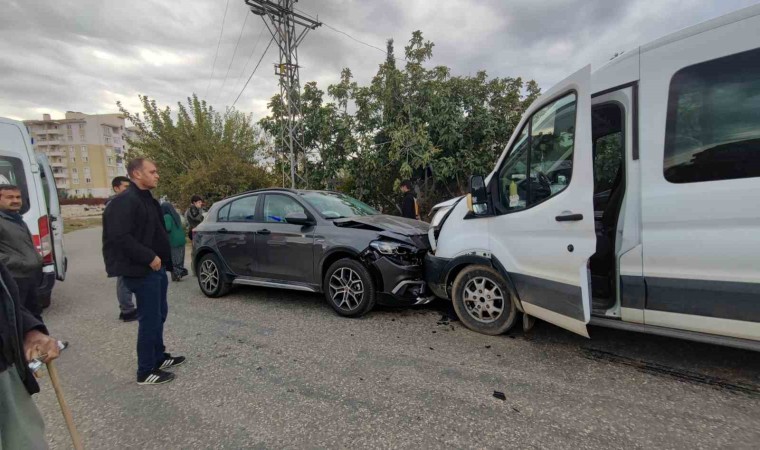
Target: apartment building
85 150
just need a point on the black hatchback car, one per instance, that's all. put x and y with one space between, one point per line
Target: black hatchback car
315 241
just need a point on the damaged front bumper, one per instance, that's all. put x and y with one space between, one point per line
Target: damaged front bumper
400 279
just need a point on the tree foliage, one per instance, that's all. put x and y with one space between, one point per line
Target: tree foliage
199 150
411 121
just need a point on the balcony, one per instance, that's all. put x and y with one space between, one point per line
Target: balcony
62 184
56 151
58 164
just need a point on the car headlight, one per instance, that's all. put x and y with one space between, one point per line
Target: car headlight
439 215
392 248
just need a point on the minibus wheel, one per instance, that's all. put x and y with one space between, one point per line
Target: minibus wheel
482 301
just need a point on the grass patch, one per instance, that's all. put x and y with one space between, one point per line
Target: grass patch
70 225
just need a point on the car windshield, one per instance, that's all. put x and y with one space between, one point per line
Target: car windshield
332 205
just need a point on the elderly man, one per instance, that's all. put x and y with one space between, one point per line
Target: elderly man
24 338
17 250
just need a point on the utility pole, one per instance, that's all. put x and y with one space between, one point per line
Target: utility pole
288 30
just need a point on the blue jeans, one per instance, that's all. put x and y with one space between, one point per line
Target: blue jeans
152 308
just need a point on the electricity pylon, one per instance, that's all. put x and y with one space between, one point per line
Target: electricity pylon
288 30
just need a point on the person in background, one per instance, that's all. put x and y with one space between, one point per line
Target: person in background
173 225
17 249
136 247
123 294
24 338
409 207
194 214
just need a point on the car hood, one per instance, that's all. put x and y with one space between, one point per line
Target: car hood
382 222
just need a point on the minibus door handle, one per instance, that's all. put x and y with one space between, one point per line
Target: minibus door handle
568 217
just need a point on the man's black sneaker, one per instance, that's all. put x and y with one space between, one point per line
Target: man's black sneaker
156 377
128 317
171 361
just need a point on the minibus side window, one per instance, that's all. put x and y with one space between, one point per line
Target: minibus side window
713 121
540 163
12 172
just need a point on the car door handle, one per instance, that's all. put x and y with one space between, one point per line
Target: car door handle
569 217
223 230
263 232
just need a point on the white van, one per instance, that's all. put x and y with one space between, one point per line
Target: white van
20 166
628 198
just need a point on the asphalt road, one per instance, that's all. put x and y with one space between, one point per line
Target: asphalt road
275 369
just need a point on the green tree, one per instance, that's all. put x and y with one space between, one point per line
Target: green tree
413 122
200 151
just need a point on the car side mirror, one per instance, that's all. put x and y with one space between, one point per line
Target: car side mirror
477 199
298 218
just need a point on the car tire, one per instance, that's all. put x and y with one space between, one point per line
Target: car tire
482 301
211 277
352 275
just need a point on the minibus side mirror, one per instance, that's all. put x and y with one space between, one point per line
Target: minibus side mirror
477 199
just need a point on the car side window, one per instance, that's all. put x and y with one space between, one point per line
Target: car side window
713 122
243 209
540 162
277 206
223 213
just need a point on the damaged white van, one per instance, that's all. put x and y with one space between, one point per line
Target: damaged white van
628 197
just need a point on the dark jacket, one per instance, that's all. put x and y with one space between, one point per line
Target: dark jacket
194 216
409 206
17 250
134 234
15 322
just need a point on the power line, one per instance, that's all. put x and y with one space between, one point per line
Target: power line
254 71
348 35
234 53
250 57
213 67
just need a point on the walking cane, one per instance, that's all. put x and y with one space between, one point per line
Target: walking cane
75 438
56 382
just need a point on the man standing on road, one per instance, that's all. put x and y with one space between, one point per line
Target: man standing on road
17 250
409 208
136 247
123 294
24 338
194 214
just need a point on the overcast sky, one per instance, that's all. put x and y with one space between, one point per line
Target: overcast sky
84 55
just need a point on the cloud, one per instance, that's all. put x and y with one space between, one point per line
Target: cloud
86 54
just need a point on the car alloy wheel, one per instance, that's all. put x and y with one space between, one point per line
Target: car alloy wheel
349 288
346 289
209 276
483 300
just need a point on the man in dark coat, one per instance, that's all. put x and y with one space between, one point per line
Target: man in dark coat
194 215
22 338
128 312
17 250
136 247
409 207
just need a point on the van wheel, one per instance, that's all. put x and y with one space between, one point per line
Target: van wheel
210 277
349 288
482 301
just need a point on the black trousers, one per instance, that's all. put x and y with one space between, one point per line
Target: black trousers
28 294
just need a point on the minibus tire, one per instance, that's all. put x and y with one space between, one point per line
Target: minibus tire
485 300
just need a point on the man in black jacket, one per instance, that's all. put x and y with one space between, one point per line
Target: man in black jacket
22 338
409 203
136 247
